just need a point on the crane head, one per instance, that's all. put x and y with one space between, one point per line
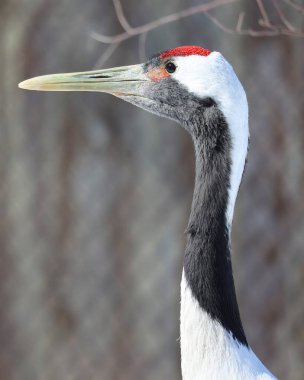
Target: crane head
189 84
173 84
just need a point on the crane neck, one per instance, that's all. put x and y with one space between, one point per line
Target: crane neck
207 263
213 343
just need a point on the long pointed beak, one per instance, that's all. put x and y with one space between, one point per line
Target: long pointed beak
126 80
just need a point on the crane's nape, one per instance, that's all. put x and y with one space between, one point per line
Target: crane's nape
200 90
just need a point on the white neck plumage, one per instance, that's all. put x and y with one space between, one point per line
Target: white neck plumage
209 351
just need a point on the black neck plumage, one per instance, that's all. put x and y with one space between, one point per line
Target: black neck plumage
207 262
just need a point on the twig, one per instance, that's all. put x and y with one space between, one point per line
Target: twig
121 17
273 32
239 24
159 22
283 18
219 24
298 7
260 33
106 55
265 19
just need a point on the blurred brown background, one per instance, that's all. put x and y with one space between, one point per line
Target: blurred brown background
95 195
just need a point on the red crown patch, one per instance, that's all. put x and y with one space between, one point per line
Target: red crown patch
183 51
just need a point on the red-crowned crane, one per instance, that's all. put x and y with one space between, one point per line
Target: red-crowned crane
200 90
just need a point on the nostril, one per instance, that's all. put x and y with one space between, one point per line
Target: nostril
92 76
101 76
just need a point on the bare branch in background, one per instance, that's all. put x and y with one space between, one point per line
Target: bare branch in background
273 30
121 17
265 19
283 18
157 23
269 30
239 24
298 7
106 55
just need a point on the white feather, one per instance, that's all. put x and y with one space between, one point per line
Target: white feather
208 351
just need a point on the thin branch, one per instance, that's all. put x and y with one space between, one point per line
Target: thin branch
202 8
292 34
240 22
275 31
265 22
260 33
219 24
121 17
265 19
106 55
298 7
283 18
271 33
250 32
262 23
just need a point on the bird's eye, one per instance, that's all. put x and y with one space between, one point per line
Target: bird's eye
170 67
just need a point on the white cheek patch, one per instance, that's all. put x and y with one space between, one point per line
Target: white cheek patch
214 77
